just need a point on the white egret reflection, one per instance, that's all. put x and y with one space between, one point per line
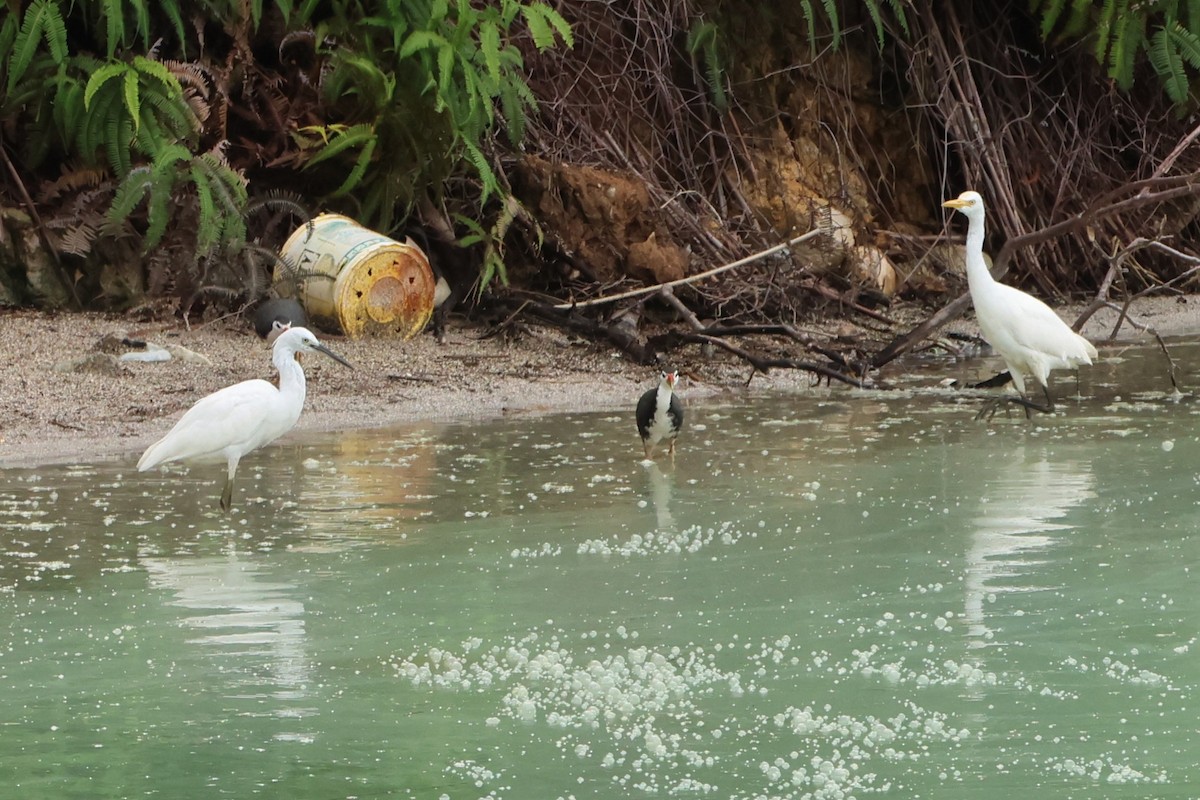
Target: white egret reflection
1020 505
252 626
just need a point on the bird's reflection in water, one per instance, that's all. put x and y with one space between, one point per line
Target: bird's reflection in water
252 626
1015 527
662 487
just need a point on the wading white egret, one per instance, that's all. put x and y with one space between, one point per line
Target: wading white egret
231 422
660 415
1027 334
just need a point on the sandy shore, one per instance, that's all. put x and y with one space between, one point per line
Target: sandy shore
52 416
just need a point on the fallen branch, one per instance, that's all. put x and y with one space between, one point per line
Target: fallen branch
691 278
763 364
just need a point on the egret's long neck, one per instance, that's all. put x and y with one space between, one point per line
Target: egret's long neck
291 375
977 270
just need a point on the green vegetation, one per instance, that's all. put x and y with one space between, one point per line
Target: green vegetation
368 106
1123 32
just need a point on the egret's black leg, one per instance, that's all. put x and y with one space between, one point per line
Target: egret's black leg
999 379
227 495
992 406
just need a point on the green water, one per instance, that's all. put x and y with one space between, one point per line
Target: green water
845 596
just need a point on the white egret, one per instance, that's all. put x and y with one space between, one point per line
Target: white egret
1027 334
229 423
660 415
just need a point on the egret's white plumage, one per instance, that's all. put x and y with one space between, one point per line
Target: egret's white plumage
229 423
1027 334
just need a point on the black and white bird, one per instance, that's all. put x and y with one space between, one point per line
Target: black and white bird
660 415
275 315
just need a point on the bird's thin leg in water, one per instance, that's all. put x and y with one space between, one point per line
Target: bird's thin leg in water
646 448
227 492
992 406
1000 379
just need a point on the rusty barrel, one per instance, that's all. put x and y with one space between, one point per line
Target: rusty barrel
356 280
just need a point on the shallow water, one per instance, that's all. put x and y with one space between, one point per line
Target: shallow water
828 597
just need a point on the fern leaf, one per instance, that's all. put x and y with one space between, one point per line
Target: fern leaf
27 39
422 40
487 178
1051 13
544 22
1128 42
1104 29
354 136
129 195
114 19
1169 65
835 23
158 206
360 168
489 46
100 77
514 112
170 8
158 71
208 229
1077 23
54 33
133 103
901 16
1187 44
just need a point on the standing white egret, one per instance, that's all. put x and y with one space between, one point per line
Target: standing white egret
1027 334
660 415
229 423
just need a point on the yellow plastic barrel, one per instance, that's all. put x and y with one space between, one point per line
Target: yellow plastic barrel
358 281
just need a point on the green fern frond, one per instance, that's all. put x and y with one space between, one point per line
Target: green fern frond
831 11
133 103
352 137
487 177
898 11
514 111
360 168
158 205
489 46
1051 13
1187 44
703 44
100 77
1168 63
423 40
114 19
208 228
1104 28
544 23
42 21
1130 39
129 195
